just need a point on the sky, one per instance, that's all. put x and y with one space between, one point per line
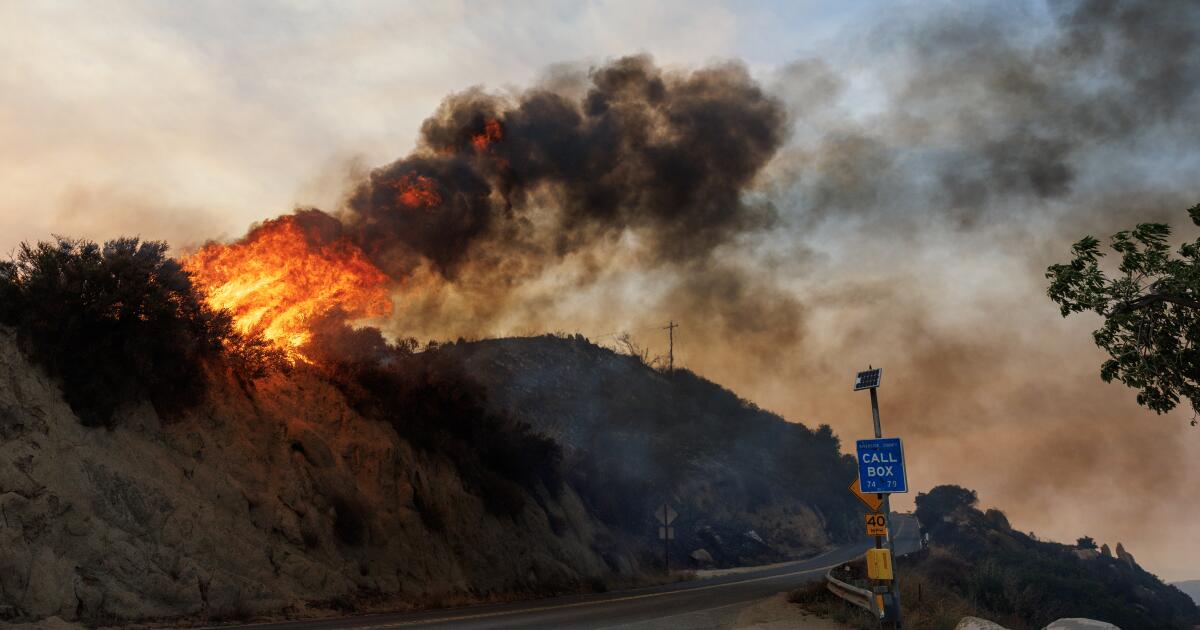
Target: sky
938 157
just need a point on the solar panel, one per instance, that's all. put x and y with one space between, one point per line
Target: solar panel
868 379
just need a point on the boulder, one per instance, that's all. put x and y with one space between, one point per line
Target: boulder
976 623
701 557
1079 623
998 519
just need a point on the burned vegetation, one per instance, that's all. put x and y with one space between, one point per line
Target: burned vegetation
437 407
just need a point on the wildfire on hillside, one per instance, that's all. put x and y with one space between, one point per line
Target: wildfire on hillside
499 188
283 276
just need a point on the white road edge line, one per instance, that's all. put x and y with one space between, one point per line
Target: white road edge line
643 623
402 624
502 613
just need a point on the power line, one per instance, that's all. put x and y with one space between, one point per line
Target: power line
625 331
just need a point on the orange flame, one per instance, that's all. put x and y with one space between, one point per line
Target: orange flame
491 133
276 282
417 191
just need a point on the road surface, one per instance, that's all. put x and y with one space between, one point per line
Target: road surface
692 604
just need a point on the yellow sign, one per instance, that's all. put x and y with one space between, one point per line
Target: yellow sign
871 500
876 525
879 564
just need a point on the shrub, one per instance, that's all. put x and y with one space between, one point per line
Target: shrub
113 324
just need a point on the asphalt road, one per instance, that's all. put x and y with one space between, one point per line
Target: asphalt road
679 605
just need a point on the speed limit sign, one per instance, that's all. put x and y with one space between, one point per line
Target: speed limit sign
876 524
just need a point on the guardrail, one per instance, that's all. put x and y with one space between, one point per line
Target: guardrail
863 598
860 597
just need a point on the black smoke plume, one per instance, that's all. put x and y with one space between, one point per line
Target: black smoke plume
664 155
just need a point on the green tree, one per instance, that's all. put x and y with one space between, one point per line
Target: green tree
1151 311
943 501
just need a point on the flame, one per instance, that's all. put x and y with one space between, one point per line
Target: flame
417 191
276 282
491 133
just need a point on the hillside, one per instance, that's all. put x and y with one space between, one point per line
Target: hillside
1033 582
266 497
749 486
158 462
978 565
1191 588
288 494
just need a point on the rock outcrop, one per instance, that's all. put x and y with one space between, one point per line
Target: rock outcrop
1125 556
977 623
1078 623
1074 623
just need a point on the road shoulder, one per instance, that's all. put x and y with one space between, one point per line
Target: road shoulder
776 613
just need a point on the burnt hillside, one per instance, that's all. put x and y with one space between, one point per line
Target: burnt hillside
748 484
158 464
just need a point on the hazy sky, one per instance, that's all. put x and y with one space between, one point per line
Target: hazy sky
941 156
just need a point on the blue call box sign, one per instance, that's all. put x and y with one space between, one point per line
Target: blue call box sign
881 466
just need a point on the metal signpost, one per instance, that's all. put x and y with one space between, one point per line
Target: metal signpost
666 533
880 473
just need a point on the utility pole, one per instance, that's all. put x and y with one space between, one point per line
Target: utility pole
670 328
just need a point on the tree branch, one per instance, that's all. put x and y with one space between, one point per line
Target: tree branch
1153 298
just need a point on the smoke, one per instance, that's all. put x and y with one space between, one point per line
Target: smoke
893 203
544 174
1002 134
